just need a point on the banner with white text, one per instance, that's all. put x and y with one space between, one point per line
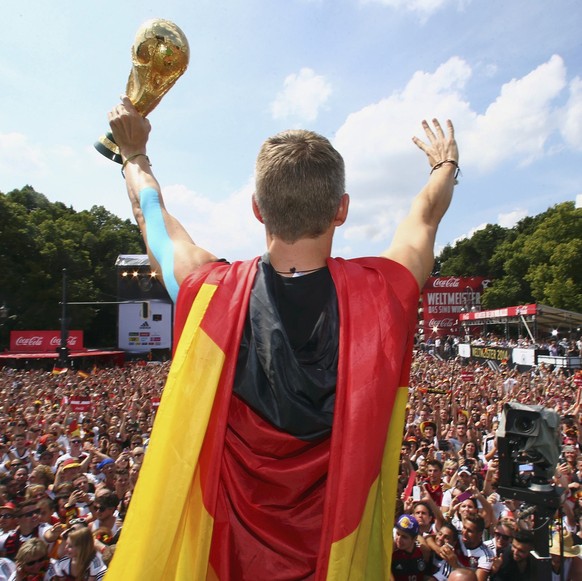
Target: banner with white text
43 341
444 298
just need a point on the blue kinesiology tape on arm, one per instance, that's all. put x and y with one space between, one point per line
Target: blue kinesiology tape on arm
159 242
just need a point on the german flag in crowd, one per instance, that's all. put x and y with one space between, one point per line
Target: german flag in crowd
321 507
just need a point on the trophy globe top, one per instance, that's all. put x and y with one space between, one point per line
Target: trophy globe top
160 55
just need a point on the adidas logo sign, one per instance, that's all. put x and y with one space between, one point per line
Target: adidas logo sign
144 325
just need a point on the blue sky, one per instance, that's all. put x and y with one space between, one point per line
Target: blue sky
362 72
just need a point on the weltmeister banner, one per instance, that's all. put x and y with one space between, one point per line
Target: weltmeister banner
499 354
444 298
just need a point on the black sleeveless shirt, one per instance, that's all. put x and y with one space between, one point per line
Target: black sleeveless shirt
287 363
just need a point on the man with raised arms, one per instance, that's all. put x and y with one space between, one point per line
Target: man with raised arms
273 454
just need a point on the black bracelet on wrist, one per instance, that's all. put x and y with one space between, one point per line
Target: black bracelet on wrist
452 162
132 157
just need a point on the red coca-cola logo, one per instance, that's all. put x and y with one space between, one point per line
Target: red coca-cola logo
442 323
56 341
450 282
38 341
35 341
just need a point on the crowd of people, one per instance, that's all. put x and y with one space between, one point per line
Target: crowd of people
451 516
447 347
71 448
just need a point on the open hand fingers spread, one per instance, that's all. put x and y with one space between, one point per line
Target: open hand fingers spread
430 134
438 128
420 144
438 132
438 147
428 131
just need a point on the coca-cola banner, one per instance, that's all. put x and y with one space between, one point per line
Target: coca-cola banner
43 341
445 298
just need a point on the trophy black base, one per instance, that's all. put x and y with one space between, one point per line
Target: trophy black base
106 146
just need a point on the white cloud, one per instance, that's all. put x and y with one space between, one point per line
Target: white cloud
469 234
18 155
25 162
519 122
383 167
385 170
510 219
507 220
226 227
489 70
571 126
423 7
303 96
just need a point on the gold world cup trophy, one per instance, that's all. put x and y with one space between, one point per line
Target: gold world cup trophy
160 55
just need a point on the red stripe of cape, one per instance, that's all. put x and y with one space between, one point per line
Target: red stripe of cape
377 301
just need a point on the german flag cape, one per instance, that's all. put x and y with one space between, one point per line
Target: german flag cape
169 528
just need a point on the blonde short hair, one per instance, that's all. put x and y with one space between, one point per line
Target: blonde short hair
30 550
300 181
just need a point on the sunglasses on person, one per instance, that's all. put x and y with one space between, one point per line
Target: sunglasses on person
503 537
6 516
99 507
74 525
35 561
75 441
30 513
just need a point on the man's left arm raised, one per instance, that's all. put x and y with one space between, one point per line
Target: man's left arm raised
413 242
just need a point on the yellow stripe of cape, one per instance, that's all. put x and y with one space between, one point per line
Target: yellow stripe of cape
167 531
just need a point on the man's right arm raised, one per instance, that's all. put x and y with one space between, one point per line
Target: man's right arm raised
170 248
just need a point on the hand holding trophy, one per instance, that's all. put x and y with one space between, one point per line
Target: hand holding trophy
160 56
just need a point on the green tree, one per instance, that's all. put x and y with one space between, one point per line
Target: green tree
538 260
38 239
472 256
555 246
